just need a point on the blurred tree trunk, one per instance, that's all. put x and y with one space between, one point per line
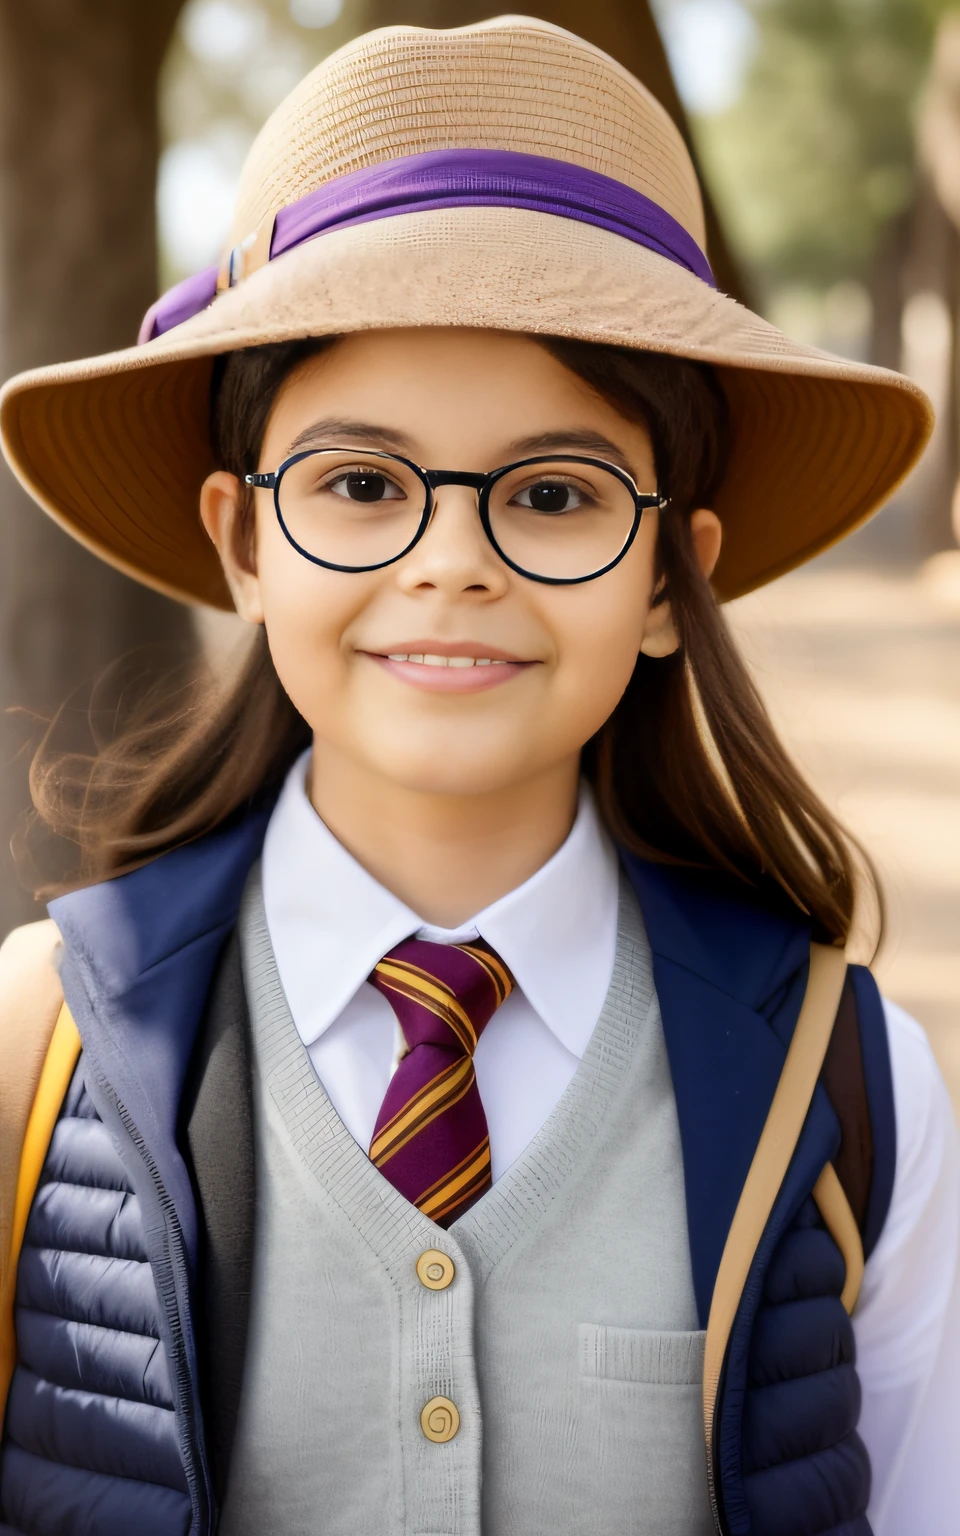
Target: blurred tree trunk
78 157
915 288
623 28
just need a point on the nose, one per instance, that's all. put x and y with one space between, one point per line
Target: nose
454 555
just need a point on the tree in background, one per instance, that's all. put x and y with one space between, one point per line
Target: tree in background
78 151
829 204
816 158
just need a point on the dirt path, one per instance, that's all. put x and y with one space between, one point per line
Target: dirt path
861 672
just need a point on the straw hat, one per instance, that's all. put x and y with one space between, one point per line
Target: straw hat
506 175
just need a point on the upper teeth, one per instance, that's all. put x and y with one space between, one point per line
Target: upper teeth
448 661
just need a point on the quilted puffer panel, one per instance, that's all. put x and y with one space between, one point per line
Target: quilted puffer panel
807 1263
798 1337
43 1499
82 1152
834 1483
806 1470
82 1355
96 1431
808 1414
88 1288
91 1441
104 1221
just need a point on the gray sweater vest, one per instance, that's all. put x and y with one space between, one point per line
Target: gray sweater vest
567 1339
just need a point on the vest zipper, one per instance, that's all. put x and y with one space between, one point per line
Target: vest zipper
712 1494
171 1281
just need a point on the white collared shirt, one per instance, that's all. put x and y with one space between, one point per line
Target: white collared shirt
330 922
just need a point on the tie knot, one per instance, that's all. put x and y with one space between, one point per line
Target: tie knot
443 994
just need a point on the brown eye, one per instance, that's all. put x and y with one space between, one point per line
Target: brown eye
365 485
551 496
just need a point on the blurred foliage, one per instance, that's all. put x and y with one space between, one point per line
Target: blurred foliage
230 63
816 157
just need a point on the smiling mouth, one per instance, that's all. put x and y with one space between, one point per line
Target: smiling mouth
428 660
450 666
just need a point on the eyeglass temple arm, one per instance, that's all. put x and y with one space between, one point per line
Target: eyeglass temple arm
261 482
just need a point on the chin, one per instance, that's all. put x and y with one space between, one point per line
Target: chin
438 772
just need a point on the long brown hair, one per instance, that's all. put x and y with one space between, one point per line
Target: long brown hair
688 770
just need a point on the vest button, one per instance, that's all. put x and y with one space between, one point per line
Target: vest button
439 1420
435 1270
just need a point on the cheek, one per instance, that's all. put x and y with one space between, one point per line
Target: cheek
598 639
598 666
306 610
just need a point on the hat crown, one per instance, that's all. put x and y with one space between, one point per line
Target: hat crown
512 83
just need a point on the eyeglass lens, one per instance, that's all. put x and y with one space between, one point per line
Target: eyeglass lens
560 519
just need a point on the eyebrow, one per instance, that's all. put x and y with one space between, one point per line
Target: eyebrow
585 441
349 432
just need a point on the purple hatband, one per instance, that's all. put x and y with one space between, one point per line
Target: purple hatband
454 178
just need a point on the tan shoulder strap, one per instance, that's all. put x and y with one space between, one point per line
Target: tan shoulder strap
791 1101
30 1002
840 1222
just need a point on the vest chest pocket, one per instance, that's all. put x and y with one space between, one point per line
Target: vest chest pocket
641 1355
641 1428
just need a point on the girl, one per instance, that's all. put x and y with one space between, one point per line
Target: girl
452 1110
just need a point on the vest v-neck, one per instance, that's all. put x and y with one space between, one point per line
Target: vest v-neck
529 1185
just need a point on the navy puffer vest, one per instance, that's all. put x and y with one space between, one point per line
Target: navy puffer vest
91 1442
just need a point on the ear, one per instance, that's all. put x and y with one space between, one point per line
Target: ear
660 634
220 506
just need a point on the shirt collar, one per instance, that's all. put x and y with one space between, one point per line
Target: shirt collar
330 921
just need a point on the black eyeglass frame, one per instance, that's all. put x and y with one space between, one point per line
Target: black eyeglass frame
433 479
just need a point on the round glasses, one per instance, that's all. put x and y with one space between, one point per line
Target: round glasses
553 519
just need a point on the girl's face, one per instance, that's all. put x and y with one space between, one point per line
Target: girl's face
560 656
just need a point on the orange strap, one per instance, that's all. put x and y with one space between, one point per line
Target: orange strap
58 1067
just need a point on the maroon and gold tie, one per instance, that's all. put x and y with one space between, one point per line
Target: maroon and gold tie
430 1139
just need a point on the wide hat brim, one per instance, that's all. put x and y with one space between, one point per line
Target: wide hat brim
116 447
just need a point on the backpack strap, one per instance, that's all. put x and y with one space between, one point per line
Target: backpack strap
38 1052
838 1218
842 1192
827 1047
784 1123
844 1078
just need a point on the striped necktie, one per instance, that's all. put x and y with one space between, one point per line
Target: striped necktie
430 1139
